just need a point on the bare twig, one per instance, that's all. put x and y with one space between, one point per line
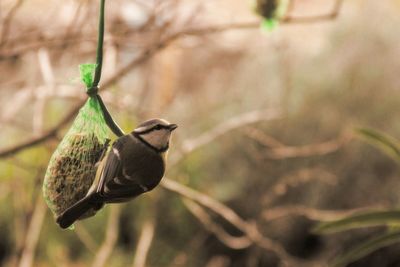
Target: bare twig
310 213
110 239
218 261
144 243
46 70
262 137
308 150
196 242
33 233
60 41
15 104
20 224
7 21
74 20
231 216
297 178
226 238
40 139
238 121
334 13
85 237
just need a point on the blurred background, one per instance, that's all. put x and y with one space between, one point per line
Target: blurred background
265 147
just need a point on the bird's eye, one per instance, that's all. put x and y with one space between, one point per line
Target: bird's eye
158 127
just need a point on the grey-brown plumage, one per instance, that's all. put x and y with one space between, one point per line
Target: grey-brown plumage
134 165
268 9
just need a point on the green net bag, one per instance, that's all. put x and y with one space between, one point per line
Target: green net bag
72 167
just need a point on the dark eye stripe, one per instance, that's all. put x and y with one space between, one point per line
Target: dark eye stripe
160 126
157 127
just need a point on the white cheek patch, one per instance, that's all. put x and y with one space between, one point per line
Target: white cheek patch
116 152
164 122
140 129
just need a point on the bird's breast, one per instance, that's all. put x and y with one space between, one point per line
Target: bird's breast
144 164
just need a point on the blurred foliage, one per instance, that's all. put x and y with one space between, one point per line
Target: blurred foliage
389 218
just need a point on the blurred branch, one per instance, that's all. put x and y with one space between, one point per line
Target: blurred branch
40 139
41 94
311 213
33 233
262 138
196 243
24 165
334 13
25 212
60 41
226 238
20 223
189 145
296 179
249 229
110 239
280 151
218 261
7 22
144 243
309 150
74 20
85 237
53 42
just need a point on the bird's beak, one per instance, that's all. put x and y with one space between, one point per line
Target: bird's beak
172 127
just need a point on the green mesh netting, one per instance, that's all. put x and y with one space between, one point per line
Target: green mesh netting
72 167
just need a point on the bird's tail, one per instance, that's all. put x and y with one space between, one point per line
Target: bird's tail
73 213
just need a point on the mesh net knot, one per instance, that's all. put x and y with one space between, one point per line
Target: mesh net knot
92 91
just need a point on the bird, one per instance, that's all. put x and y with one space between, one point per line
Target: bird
267 8
271 11
135 164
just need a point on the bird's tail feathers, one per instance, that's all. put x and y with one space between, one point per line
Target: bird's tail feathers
73 213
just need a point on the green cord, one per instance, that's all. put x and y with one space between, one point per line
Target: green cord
100 41
97 75
109 120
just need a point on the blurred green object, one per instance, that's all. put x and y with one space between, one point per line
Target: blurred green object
388 218
72 167
86 71
386 143
365 219
367 247
269 24
271 11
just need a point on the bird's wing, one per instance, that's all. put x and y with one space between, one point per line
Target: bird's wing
99 169
113 165
73 213
115 184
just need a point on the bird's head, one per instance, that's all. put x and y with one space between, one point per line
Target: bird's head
156 133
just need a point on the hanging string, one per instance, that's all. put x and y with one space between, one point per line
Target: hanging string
93 90
100 41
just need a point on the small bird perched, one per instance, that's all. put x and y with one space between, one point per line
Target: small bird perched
134 165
